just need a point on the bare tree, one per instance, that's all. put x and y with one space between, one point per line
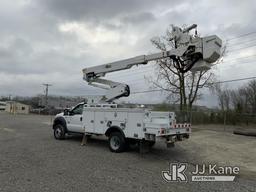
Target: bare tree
242 100
251 93
183 88
236 101
224 98
239 100
237 104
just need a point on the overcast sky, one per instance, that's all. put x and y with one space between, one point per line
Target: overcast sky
51 41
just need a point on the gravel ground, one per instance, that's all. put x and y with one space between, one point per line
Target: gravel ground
32 160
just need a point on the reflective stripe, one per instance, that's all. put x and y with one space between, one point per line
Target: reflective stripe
180 125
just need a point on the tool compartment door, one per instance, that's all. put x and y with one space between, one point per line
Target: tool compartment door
100 122
135 125
89 121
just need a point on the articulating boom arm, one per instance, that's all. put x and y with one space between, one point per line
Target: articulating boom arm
191 53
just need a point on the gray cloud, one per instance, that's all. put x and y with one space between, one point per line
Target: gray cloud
34 49
98 9
139 18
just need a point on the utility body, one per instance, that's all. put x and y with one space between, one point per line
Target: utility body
133 124
101 116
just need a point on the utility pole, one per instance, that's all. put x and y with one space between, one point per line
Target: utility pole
47 85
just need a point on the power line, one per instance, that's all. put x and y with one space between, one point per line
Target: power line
219 82
240 45
242 35
233 63
238 42
239 58
232 50
234 80
149 69
237 63
142 79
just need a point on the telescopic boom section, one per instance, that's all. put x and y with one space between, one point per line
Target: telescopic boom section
191 53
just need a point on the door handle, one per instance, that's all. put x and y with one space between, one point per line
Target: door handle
81 118
92 121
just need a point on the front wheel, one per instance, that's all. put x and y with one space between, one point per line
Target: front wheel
116 142
59 132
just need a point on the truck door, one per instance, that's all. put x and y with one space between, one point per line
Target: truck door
75 119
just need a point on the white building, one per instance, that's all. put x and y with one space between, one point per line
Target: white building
2 105
16 107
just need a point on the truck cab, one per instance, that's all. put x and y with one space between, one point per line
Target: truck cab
70 120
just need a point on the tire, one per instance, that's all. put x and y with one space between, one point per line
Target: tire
59 132
116 142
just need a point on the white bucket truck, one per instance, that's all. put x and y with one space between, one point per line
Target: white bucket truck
126 125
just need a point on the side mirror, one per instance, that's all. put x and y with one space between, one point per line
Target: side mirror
66 112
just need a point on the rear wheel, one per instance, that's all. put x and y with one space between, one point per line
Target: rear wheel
116 142
59 132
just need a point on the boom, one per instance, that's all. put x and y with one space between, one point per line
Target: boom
191 53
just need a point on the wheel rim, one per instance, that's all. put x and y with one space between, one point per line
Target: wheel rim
58 132
115 142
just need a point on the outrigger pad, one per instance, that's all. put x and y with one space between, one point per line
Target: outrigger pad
246 132
85 139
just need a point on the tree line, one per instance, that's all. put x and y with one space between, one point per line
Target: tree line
238 105
240 100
